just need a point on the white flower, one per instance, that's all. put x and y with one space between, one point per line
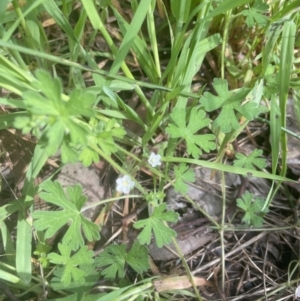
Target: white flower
154 160
124 184
297 292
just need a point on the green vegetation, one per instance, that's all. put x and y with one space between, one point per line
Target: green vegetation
70 72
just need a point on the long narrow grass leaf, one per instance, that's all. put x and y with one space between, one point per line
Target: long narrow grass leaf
54 11
23 248
14 26
286 59
130 35
11 278
275 126
140 49
181 10
228 168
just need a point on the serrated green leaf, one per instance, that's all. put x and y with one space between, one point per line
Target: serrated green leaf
115 256
138 258
53 117
183 174
254 15
104 134
92 276
196 122
251 160
71 204
68 154
156 224
71 269
253 209
88 156
229 104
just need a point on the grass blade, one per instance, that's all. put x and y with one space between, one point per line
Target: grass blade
130 35
228 168
23 248
140 50
286 59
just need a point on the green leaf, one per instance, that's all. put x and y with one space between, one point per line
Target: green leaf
41 251
197 121
142 53
23 247
71 263
254 15
251 160
105 138
3 8
133 30
253 209
156 224
138 258
104 134
181 10
88 156
68 153
71 203
183 173
115 256
228 168
53 116
228 103
91 278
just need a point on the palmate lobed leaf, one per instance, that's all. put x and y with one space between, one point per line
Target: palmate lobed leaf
104 138
71 269
206 142
53 117
251 218
90 279
138 258
50 102
88 156
183 173
196 122
156 224
38 104
103 135
229 103
52 137
69 154
80 103
253 209
115 257
71 202
251 160
254 15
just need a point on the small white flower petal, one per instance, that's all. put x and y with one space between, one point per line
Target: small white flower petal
119 181
154 160
124 184
126 190
119 188
297 292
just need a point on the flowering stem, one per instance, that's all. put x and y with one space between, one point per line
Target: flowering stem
116 166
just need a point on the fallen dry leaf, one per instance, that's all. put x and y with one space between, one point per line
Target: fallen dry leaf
178 282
